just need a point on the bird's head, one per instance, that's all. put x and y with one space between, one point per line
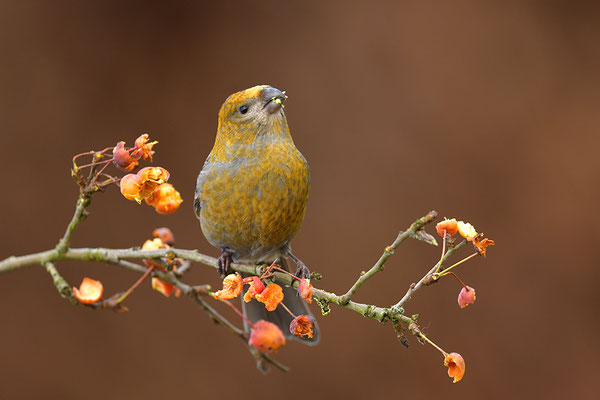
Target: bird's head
252 113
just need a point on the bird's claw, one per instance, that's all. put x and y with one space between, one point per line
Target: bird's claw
224 263
302 271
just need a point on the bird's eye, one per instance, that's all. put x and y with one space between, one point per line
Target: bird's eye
243 109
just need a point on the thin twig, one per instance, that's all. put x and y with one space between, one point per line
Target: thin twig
82 202
63 288
415 226
414 287
135 285
447 270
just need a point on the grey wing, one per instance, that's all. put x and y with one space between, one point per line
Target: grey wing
199 183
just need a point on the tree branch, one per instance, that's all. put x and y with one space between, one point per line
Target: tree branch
82 203
63 288
410 232
120 257
414 287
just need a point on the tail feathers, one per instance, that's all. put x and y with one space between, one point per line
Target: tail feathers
254 311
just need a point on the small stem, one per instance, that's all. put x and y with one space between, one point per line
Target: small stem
238 312
95 163
458 279
76 156
92 168
421 335
201 289
185 265
99 173
218 317
287 309
269 268
419 284
136 284
282 271
444 272
443 251
257 353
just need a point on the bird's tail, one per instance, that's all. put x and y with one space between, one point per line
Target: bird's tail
255 310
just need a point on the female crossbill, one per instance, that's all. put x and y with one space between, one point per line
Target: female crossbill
253 188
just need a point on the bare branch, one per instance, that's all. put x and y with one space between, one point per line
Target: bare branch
63 288
416 286
416 226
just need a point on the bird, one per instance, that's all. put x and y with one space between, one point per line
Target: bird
252 192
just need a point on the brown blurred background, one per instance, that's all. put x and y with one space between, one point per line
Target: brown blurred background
484 111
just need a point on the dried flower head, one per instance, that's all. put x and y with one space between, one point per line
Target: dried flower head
481 244
90 291
142 148
466 296
232 287
266 337
448 225
122 158
456 366
466 230
271 296
303 326
165 199
305 290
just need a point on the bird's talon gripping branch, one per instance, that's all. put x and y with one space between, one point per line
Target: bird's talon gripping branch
224 263
302 271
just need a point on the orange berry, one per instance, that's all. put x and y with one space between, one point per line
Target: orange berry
456 366
305 290
152 177
165 199
90 291
256 287
154 174
271 296
302 326
466 296
130 187
448 225
266 337
154 244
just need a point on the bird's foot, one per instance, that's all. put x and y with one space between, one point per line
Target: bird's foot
302 270
224 262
